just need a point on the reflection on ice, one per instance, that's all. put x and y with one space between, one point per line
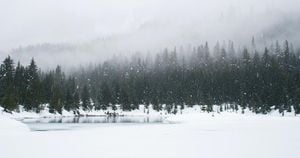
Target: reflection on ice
69 123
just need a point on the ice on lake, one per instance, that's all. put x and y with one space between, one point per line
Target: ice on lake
71 123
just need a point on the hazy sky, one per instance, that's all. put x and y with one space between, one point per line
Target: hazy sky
146 23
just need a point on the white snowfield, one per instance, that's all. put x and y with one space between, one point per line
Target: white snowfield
192 135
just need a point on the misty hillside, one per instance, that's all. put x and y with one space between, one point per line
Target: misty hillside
284 28
145 27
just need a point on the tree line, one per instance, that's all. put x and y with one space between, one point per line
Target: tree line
254 79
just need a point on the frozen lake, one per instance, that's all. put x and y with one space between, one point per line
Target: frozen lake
228 135
72 123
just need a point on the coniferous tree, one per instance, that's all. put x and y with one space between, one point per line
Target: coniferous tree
33 88
7 96
76 100
57 101
70 95
105 97
20 84
85 98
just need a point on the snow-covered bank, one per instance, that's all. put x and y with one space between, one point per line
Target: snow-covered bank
10 125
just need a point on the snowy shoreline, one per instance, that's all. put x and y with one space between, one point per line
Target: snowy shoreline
12 121
187 115
197 109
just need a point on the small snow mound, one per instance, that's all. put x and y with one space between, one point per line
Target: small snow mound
10 125
67 113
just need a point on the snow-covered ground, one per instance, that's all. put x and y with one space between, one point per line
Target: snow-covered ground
193 135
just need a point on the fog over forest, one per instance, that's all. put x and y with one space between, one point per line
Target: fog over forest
73 32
